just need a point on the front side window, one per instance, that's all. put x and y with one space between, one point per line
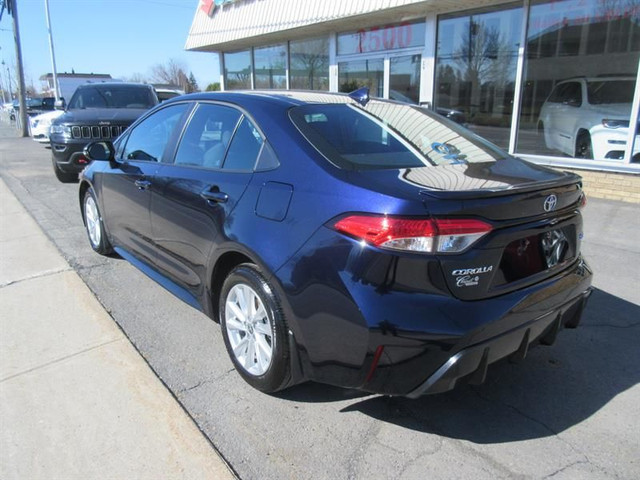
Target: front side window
207 137
571 94
147 141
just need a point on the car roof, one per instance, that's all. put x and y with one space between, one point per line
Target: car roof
114 84
280 97
603 78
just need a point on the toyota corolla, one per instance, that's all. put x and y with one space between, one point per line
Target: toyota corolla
342 239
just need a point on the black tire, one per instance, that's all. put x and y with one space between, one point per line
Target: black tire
94 225
276 375
63 177
584 148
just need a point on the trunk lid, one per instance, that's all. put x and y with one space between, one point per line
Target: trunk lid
534 212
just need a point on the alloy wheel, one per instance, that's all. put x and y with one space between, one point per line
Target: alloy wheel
92 219
249 329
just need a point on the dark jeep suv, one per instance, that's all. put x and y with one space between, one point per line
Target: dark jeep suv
97 111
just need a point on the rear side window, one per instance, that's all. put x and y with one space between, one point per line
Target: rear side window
388 135
206 139
245 147
610 91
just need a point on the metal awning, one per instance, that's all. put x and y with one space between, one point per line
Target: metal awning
239 24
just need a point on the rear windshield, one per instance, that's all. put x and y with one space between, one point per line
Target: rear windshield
124 96
611 91
388 135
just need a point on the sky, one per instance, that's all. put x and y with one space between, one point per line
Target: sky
116 37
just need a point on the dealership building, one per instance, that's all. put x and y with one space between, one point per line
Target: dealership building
552 81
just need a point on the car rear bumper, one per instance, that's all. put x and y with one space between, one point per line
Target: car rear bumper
534 315
375 327
471 364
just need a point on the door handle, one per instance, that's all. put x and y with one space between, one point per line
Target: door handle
142 184
215 196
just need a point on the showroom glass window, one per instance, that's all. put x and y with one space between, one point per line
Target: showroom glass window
362 73
270 64
579 78
237 70
148 139
377 39
476 61
309 64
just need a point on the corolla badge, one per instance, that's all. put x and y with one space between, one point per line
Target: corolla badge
550 203
470 277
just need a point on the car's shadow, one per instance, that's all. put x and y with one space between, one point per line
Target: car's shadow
554 389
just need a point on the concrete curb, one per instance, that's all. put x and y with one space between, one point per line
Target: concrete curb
76 398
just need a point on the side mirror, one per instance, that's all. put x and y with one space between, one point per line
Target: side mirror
100 151
60 104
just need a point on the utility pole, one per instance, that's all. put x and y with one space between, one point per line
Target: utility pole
56 88
12 9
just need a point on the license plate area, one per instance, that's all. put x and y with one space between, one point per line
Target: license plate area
533 254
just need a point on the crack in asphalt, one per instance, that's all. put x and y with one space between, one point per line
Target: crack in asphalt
204 382
541 423
580 462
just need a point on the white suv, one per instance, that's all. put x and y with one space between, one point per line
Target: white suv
589 117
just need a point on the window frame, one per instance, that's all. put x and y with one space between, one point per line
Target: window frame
243 114
121 147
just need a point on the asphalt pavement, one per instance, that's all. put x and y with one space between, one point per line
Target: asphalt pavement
568 411
76 399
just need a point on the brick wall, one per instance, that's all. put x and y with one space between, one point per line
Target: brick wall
613 186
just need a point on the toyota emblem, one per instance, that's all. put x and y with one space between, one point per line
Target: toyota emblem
550 203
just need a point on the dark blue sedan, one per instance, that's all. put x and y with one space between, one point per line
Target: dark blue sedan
342 239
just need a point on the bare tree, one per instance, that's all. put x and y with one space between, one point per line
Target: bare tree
312 63
173 72
484 57
136 78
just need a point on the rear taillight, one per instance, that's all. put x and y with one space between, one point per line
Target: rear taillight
583 200
416 235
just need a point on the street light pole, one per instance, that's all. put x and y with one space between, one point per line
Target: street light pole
56 90
9 80
4 92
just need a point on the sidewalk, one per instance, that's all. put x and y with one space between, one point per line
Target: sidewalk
76 399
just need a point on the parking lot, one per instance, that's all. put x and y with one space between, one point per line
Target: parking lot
569 411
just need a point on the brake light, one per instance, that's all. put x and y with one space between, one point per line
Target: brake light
417 235
583 200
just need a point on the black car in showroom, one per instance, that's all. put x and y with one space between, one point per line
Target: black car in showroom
96 111
342 239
